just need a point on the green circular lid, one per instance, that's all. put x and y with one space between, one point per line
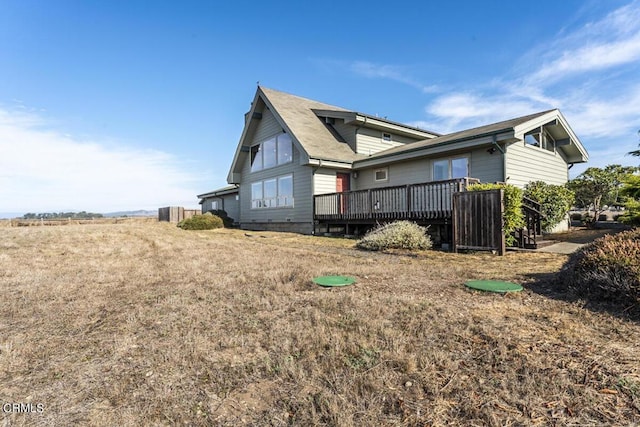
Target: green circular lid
493 286
334 280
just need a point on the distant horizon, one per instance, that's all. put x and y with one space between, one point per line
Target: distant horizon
14 215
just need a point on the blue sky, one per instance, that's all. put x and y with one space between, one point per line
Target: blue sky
113 105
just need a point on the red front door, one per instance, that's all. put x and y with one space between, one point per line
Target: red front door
343 183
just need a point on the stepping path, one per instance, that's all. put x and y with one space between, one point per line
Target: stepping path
561 248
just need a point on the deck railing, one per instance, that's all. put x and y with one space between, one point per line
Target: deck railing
429 200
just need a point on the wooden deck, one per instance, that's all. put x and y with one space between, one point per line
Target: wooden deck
419 202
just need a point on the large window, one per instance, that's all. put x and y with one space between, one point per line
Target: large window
540 139
272 193
451 168
272 152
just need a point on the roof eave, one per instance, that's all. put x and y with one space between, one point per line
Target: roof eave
399 128
556 114
231 176
503 135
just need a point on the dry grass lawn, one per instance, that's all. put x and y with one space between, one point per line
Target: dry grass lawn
146 324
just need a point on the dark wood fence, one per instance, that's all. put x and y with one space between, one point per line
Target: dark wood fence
477 221
175 213
431 200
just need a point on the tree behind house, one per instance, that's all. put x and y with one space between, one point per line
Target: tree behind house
597 187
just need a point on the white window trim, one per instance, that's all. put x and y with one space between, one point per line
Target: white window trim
545 134
387 140
262 202
386 175
450 167
261 152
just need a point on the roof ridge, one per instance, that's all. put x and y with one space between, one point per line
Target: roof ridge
526 116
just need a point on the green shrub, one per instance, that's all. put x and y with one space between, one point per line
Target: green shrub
608 268
513 217
631 215
201 222
555 201
396 235
226 220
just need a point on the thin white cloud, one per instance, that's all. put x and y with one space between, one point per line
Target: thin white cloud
609 42
613 117
589 73
467 110
43 169
593 57
391 72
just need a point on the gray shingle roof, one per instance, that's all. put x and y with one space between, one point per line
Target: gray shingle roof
309 129
461 135
229 189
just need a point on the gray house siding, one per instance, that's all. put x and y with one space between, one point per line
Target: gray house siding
525 164
485 166
227 203
347 132
369 141
231 205
207 204
324 181
482 165
404 173
267 127
298 218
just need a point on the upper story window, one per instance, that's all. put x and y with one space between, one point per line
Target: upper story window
540 139
272 152
386 137
450 168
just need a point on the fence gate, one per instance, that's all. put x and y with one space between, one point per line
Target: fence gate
477 221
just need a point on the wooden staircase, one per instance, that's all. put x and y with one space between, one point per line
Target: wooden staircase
530 236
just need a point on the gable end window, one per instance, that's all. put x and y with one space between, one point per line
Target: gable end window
272 152
386 137
381 175
541 139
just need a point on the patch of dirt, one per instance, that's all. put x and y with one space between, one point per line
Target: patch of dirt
254 398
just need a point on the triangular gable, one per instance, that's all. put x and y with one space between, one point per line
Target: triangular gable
296 116
556 124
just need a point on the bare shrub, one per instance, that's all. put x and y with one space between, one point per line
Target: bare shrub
207 221
608 268
396 235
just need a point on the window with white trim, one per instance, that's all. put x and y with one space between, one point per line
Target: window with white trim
214 205
272 193
386 137
541 139
381 175
272 152
450 168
